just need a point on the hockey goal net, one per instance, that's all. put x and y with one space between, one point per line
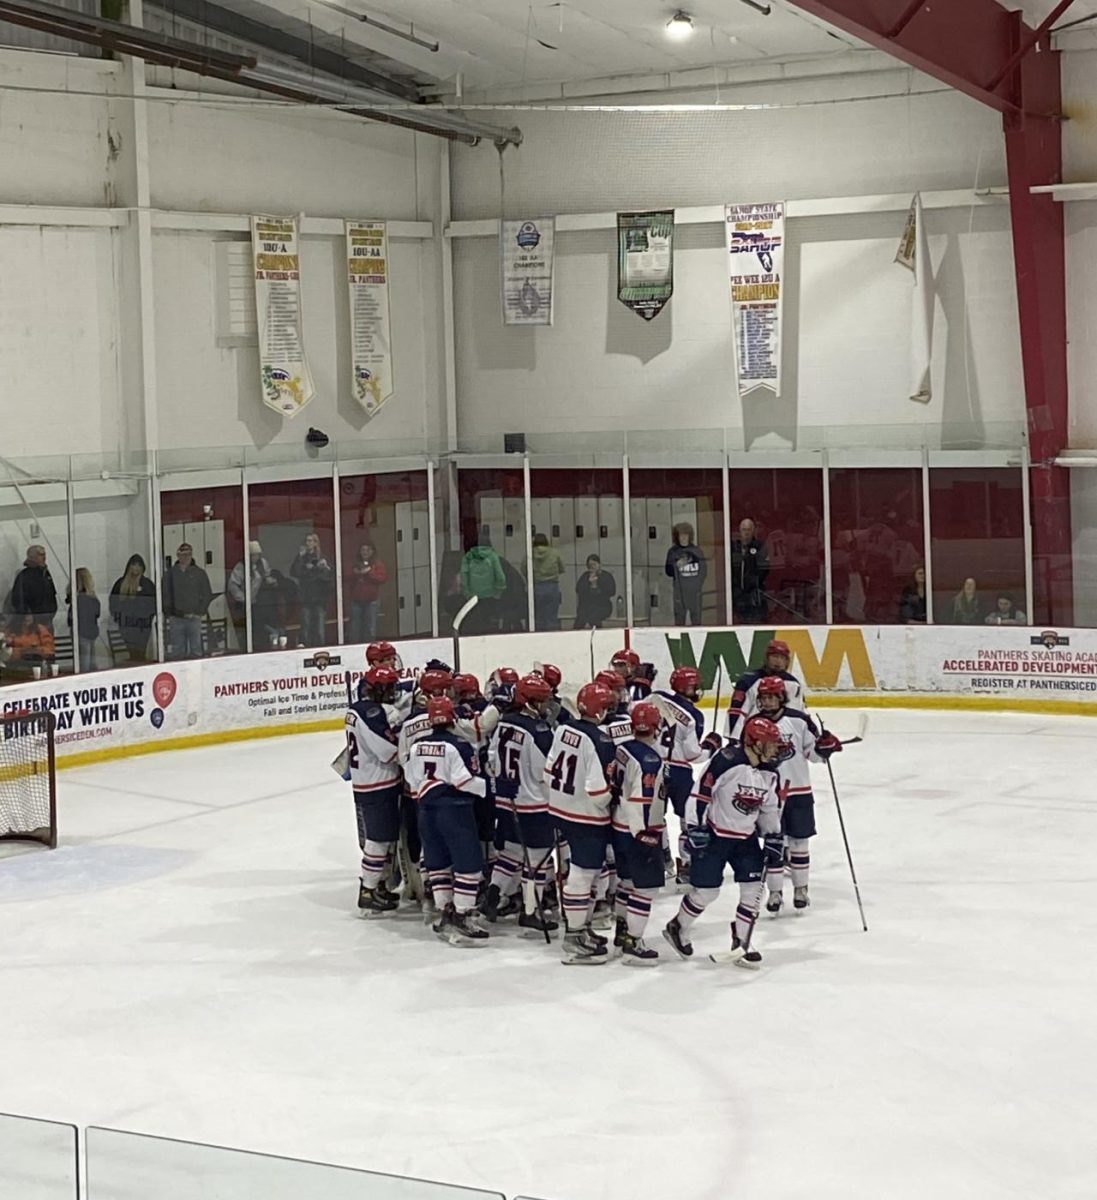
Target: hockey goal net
28 795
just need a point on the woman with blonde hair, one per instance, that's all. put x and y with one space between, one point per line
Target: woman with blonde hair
133 607
87 614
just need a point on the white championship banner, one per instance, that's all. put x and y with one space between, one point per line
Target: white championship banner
283 371
914 255
368 280
528 260
756 262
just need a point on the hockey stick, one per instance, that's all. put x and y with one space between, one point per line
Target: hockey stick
723 957
719 689
845 839
862 729
340 764
593 672
462 613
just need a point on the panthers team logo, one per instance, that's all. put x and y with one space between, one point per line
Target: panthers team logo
528 235
322 660
1050 639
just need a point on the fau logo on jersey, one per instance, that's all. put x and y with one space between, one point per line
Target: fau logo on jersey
748 798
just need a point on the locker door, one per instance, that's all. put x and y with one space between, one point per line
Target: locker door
404 523
611 529
421 582
645 597
684 510
638 531
586 529
514 530
540 515
491 519
561 530
420 533
658 531
405 601
173 535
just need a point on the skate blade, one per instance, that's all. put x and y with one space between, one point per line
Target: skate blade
365 914
586 960
629 961
539 934
670 943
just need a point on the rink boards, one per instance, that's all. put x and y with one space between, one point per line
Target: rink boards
172 705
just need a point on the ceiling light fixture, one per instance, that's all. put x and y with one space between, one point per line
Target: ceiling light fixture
680 26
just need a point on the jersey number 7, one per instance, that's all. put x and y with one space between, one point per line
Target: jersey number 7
563 773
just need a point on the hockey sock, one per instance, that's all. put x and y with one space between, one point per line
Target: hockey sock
621 899
375 858
683 848
577 895
537 872
750 896
506 872
441 886
601 886
694 904
799 860
639 909
465 888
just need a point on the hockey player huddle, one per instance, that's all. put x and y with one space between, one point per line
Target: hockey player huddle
516 802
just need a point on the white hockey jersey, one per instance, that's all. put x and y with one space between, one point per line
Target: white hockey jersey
744 699
516 756
575 773
638 784
415 728
441 767
735 799
683 728
798 736
618 726
371 747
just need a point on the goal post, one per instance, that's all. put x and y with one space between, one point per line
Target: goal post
28 777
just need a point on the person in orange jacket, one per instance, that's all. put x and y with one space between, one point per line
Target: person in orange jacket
26 644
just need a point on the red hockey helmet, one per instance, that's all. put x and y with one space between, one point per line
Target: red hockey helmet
778 647
762 735
533 690
646 719
465 686
382 677
502 675
440 711
686 681
381 652
594 700
612 681
552 674
772 686
435 683
628 659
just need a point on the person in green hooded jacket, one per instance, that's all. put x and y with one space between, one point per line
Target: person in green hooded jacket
547 567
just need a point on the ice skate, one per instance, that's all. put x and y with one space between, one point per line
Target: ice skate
620 933
740 955
373 902
774 902
552 899
497 906
602 917
668 863
681 876
581 949
536 922
800 899
635 954
459 929
594 936
674 934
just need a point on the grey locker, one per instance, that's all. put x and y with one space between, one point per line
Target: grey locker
586 529
404 524
420 534
421 605
540 515
645 598
684 510
514 531
638 531
562 527
657 530
611 529
491 520
405 601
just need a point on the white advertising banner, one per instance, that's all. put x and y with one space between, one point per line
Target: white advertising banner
528 261
756 262
368 280
283 370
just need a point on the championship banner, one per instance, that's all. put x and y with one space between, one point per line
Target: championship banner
913 253
756 260
645 261
527 264
283 371
368 280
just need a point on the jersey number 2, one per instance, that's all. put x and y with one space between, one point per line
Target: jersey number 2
563 773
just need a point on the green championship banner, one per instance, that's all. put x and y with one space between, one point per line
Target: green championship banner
645 261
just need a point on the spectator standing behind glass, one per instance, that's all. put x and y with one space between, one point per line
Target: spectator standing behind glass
547 567
264 590
87 613
313 574
749 570
482 575
33 591
966 608
687 567
27 647
1006 612
912 603
187 596
132 604
594 593
368 573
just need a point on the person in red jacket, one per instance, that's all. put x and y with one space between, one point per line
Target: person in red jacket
367 575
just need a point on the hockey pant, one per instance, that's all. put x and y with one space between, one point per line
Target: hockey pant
798 825
378 814
745 857
511 865
587 845
452 853
640 877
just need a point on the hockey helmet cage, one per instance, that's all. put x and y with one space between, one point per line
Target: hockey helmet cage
646 719
629 657
532 689
773 685
686 681
594 700
440 711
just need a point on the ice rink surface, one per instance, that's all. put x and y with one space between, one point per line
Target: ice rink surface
188 964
